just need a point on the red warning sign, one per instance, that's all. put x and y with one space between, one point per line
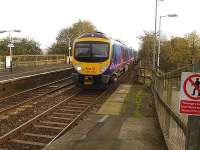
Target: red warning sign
190 93
190 107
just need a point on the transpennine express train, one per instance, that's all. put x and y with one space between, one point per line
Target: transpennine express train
99 60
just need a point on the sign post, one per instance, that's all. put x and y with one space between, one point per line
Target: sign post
190 105
10 45
8 62
69 53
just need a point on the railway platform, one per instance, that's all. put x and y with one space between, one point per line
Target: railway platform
126 121
26 71
28 78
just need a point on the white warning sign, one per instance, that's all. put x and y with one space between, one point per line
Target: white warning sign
190 93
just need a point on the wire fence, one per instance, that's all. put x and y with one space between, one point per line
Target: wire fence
166 91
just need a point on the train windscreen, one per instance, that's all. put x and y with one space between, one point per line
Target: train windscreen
91 51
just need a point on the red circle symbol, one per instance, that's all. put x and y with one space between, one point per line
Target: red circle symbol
187 82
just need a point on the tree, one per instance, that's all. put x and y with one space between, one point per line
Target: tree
66 36
174 54
3 47
58 48
22 47
166 55
194 45
146 49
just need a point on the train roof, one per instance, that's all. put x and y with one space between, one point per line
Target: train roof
102 35
117 42
95 34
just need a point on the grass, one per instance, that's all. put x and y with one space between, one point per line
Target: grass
132 102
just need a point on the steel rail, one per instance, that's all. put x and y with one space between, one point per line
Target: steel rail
77 105
13 133
79 111
77 118
39 96
36 88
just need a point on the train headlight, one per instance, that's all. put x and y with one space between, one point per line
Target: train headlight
103 68
78 68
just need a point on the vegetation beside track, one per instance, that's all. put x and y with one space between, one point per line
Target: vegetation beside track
134 99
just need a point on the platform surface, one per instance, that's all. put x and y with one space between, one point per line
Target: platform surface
6 75
114 103
110 130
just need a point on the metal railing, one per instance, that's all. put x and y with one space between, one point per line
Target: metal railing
21 61
166 90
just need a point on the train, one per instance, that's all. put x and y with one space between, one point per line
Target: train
99 60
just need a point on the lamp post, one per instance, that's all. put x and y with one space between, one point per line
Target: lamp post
155 34
69 37
69 47
160 21
10 45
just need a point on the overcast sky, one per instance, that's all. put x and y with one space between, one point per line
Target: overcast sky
119 19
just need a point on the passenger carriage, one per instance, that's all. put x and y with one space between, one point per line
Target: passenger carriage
99 60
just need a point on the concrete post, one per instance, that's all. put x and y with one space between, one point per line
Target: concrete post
193 126
193 133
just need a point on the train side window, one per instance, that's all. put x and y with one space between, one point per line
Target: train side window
114 54
119 54
127 54
123 53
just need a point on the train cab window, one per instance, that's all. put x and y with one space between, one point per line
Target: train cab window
100 50
91 51
82 50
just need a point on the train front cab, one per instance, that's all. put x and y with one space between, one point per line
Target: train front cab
90 70
85 81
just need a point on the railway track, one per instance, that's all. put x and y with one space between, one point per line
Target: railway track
51 124
43 129
16 100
